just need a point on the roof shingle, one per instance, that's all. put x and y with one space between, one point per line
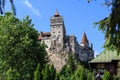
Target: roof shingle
106 56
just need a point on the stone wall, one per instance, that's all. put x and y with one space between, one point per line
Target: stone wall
58 60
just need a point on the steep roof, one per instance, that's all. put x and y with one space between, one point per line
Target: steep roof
84 39
106 56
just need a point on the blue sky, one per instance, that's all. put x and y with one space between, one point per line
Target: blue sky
78 15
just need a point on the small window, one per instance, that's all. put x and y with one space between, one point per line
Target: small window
58 31
77 55
81 52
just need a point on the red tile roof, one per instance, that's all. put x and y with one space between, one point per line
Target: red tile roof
84 39
43 34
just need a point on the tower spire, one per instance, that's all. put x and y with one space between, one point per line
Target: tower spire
56 13
84 42
84 39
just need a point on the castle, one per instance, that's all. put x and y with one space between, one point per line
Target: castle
60 45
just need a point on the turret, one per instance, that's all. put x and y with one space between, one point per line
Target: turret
84 42
57 26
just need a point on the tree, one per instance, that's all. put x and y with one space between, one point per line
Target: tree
110 26
71 62
89 76
19 46
83 74
52 72
106 75
3 67
12 74
68 69
37 73
46 73
57 77
2 6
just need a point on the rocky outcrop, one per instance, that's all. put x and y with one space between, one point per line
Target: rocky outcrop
58 60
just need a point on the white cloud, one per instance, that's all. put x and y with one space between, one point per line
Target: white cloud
30 6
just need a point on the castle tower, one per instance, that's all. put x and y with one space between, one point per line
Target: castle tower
86 52
57 27
84 42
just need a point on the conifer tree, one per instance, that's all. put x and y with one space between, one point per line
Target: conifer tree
52 72
37 73
57 76
83 75
12 74
89 76
106 75
46 72
71 62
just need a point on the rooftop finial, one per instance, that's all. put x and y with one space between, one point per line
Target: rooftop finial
84 30
56 13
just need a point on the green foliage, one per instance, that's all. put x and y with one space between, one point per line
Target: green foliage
79 73
46 72
49 73
13 74
57 76
110 26
52 73
83 74
116 77
3 67
71 62
89 76
26 57
73 78
19 46
106 75
93 75
37 73
69 68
